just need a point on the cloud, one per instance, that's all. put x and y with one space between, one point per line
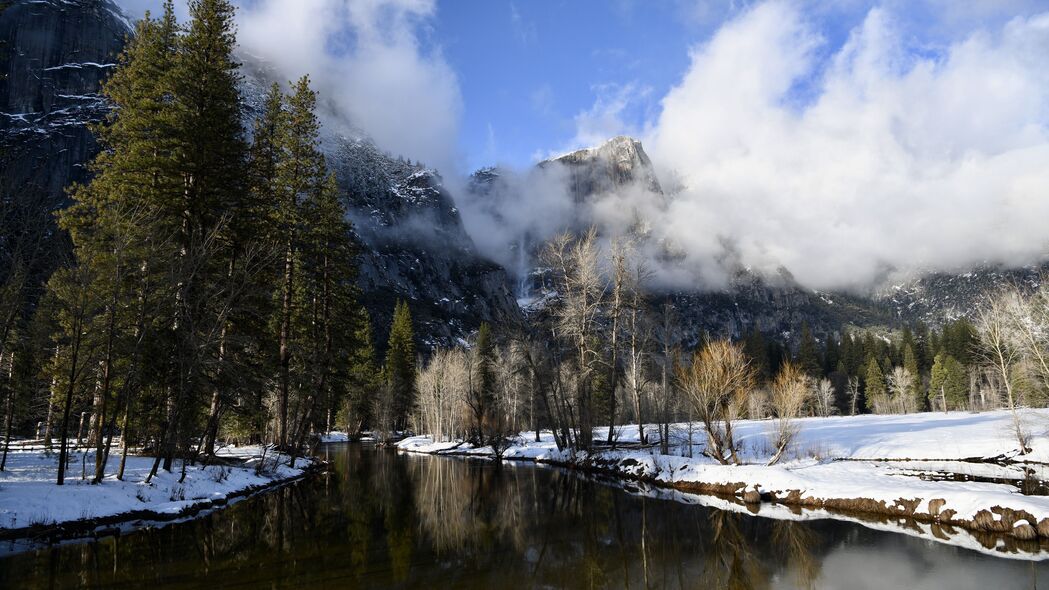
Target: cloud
524 29
896 163
370 60
371 63
846 165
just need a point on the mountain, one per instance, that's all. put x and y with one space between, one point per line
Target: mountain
416 247
53 57
618 163
56 55
776 305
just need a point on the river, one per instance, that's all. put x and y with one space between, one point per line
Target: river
379 519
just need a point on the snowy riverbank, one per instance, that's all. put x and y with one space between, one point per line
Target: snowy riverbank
898 466
30 502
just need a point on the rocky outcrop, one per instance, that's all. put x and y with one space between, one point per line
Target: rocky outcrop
416 248
414 245
54 57
616 164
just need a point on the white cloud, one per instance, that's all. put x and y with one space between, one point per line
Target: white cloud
369 61
890 162
367 58
899 162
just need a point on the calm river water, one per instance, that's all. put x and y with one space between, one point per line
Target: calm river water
384 520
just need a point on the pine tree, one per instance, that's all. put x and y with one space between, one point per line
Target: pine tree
482 387
808 356
120 221
756 348
948 386
211 164
299 174
874 384
330 294
831 355
400 365
364 378
917 391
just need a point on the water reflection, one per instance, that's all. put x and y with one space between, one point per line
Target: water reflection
383 520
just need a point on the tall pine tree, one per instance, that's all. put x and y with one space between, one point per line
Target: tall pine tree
400 365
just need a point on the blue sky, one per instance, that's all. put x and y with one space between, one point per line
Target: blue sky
528 68
515 80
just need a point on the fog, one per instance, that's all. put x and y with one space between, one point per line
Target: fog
847 167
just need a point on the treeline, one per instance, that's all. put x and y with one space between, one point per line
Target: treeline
865 370
605 352
210 292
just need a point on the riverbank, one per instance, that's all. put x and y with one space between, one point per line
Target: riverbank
32 506
947 470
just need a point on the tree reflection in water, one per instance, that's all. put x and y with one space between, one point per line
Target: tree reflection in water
380 519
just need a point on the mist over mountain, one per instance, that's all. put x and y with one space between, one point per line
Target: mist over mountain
758 249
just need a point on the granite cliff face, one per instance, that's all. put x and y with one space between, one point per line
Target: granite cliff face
56 55
616 164
416 248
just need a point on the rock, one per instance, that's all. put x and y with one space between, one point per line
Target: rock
53 58
1043 528
615 164
935 505
1025 532
752 496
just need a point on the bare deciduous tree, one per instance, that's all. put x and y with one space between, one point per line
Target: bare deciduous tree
999 349
823 392
577 279
789 392
717 383
901 385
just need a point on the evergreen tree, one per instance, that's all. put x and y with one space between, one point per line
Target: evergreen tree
299 174
831 355
808 358
917 390
400 365
482 383
948 386
211 158
756 348
328 283
874 388
364 379
121 222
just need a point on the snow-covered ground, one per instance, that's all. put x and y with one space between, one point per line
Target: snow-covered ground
29 496
890 463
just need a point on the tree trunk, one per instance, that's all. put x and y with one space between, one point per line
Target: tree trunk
63 452
125 436
285 352
103 399
9 411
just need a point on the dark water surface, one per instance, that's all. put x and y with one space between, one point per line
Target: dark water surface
384 520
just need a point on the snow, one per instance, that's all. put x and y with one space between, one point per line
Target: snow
29 495
880 458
